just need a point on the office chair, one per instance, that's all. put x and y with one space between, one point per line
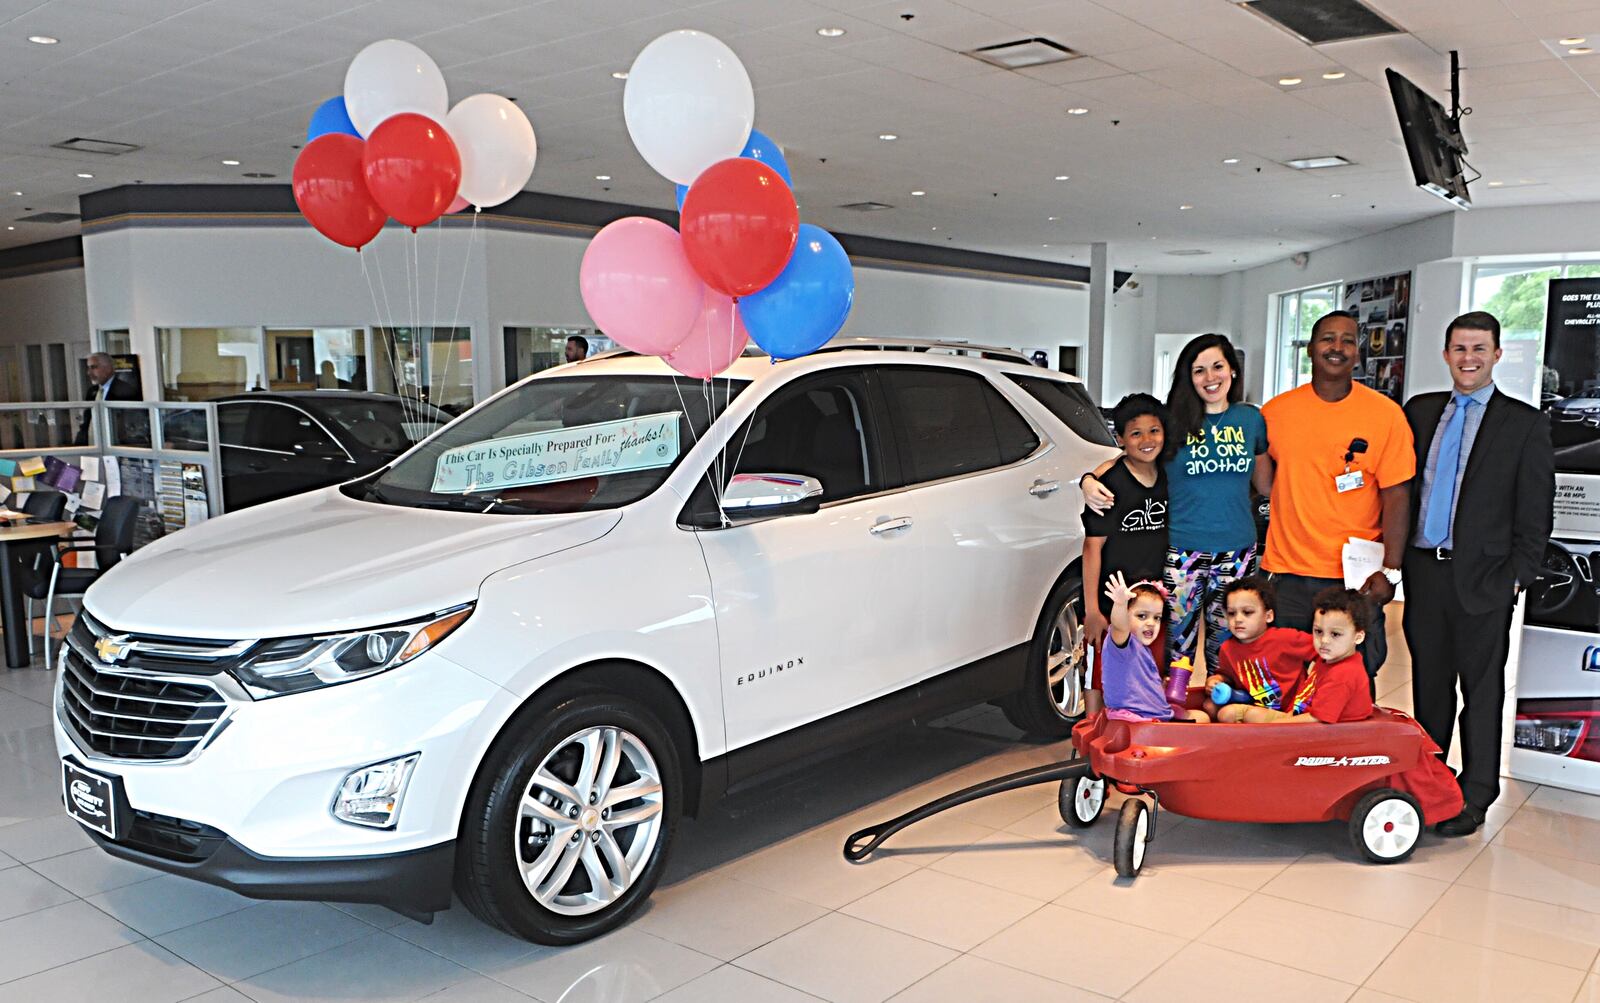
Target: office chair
113 540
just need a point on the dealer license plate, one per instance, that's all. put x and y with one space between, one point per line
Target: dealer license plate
91 798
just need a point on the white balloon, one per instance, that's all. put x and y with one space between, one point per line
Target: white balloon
688 104
497 147
390 77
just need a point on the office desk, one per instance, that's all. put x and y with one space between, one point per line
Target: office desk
18 539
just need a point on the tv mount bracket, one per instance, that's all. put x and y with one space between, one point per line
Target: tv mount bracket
1455 138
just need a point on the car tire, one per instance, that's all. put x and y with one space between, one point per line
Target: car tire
568 826
1050 701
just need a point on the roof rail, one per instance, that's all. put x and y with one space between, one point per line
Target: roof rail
992 352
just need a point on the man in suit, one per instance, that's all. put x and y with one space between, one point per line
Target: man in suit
107 386
1481 515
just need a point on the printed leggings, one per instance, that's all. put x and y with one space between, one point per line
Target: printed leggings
1196 578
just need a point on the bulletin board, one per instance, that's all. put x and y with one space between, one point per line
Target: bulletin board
1382 308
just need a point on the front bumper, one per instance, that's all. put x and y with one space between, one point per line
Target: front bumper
415 883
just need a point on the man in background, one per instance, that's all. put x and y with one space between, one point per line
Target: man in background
106 386
577 348
1481 515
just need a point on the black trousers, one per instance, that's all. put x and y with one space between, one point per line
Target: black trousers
1450 646
1295 595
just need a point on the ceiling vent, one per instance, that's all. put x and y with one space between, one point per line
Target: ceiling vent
48 217
1317 22
258 174
867 206
1024 53
104 147
1188 252
1317 163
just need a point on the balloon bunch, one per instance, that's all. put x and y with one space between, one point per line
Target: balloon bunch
391 145
741 266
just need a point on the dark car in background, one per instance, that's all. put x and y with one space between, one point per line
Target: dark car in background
280 443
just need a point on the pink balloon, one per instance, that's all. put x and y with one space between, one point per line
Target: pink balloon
638 285
458 205
716 338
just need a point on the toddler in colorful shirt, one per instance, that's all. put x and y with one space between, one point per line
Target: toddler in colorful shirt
1261 660
1336 687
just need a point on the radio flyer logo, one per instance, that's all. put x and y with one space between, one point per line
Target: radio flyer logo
1342 761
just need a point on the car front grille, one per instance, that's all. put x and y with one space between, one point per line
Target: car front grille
173 838
162 703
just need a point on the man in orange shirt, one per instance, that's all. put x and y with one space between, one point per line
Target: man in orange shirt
1342 461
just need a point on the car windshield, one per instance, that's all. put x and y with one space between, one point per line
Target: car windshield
558 444
384 426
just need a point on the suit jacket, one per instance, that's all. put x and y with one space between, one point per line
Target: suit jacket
1505 512
120 390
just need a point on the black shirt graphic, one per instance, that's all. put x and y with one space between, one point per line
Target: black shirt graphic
1135 529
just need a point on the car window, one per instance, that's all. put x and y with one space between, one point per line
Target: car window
818 426
948 423
231 422
280 427
1071 403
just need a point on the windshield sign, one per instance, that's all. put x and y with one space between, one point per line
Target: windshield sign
611 447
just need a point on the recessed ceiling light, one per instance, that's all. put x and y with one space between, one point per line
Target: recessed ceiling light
81 174
1496 184
1288 81
1337 195
887 137
10 228
602 177
919 192
619 74
1314 163
1077 111
1582 50
1230 160
1061 177
1333 75
16 193
43 39
1052 218
830 32
935 228
230 163
1044 245
1185 206
1575 40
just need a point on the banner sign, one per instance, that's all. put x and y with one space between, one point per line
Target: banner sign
562 454
1571 381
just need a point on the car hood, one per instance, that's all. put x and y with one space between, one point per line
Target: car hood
322 562
1576 404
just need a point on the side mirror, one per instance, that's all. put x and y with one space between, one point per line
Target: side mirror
771 494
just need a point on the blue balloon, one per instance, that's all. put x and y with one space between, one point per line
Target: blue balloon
331 117
807 303
683 190
761 147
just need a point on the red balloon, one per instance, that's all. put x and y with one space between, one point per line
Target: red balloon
331 190
412 168
739 224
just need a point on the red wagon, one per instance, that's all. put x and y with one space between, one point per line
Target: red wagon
1383 775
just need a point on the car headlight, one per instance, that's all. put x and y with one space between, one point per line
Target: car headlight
297 664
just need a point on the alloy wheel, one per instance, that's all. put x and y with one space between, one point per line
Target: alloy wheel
1065 660
589 820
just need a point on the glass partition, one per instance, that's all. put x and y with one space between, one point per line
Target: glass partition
533 349
201 363
430 364
324 358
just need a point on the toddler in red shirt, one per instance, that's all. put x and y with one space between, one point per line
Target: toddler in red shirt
1267 662
1336 687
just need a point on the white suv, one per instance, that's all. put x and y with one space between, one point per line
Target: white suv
508 662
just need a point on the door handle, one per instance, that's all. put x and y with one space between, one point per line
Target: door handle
1042 488
890 525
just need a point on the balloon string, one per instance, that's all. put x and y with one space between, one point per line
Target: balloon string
391 342
438 254
466 263
711 481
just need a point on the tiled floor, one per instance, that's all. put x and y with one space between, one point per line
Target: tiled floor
997 900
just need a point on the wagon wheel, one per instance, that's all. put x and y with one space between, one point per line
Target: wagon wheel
1081 801
1133 831
1386 825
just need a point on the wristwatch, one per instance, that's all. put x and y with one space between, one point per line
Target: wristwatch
1393 574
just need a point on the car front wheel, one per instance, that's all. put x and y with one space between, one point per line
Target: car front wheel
568 827
1051 699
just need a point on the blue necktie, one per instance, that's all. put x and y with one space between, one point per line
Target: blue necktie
1442 495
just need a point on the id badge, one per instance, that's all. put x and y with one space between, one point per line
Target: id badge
1348 481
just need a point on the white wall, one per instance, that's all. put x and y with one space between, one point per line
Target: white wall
47 307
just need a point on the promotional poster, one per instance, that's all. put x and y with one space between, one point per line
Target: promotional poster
1382 307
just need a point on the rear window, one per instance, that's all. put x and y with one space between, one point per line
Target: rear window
1072 404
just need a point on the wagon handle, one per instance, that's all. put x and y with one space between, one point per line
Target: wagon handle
859 845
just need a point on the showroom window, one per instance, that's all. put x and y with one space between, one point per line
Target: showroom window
325 358
950 423
1296 312
201 363
432 363
1516 294
533 349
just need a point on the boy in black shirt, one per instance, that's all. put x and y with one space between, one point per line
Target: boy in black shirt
1131 536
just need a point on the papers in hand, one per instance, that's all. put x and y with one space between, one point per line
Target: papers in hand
1361 559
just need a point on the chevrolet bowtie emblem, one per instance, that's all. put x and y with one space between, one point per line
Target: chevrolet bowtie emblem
110 649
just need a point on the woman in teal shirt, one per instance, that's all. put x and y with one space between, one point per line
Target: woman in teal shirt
1216 449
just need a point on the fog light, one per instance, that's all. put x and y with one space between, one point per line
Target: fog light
371 795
